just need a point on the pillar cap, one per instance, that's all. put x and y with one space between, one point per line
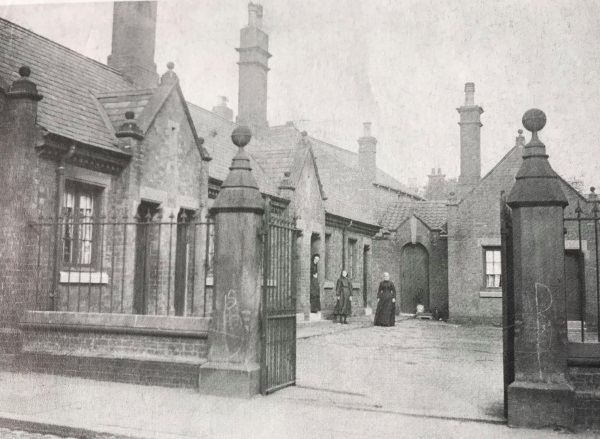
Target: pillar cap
169 76
129 128
24 87
239 192
536 182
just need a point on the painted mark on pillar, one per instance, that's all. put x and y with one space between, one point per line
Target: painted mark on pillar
543 303
236 325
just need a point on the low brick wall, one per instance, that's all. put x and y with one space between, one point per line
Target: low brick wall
584 376
158 350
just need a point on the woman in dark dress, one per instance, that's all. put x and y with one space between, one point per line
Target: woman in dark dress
386 303
343 292
315 289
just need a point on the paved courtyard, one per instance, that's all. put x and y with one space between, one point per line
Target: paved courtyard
416 380
417 367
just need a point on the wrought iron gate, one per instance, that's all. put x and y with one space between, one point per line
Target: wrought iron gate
278 305
508 298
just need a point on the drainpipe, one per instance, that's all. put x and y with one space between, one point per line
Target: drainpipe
60 190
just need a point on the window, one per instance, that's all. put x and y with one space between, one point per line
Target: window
80 205
211 249
493 268
352 259
327 256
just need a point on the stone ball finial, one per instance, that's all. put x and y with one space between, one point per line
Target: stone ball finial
534 120
520 131
287 174
24 71
241 136
304 134
129 115
201 140
170 65
592 189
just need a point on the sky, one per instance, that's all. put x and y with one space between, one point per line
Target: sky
400 64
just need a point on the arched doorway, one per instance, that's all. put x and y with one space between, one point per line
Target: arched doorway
414 278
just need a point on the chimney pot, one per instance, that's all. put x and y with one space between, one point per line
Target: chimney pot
367 129
439 170
432 171
222 101
469 93
255 14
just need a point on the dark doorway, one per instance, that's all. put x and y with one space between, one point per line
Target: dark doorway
414 278
315 283
146 213
575 284
183 267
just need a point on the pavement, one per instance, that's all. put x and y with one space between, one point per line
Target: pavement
419 379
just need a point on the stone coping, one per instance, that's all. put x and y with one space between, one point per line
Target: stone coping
583 354
196 327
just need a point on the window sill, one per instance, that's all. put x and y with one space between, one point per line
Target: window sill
83 277
491 294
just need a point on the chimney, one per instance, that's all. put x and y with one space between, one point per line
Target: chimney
222 110
367 154
253 69
133 39
470 142
436 185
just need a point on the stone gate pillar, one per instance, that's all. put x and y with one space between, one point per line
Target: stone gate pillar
540 395
233 366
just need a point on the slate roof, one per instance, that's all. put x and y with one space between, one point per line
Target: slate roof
290 134
116 104
216 132
69 82
433 213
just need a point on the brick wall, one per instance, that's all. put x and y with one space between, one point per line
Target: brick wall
586 382
308 205
140 349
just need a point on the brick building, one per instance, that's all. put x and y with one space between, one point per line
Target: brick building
473 226
109 175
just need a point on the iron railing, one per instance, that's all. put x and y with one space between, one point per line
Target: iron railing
583 272
118 264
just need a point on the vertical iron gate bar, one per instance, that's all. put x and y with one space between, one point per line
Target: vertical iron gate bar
581 290
595 211
112 260
266 257
508 306
170 260
194 251
68 277
102 228
124 260
207 263
39 258
157 280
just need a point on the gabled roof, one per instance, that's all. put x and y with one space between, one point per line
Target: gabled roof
68 81
216 132
288 133
434 214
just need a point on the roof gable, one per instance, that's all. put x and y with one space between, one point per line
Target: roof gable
434 214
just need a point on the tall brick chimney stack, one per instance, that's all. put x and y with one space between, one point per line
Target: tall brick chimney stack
470 142
133 40
253 70
367 154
